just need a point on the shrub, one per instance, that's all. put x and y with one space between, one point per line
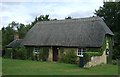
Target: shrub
69 57
87 58
21 53
44 54
114 62
29 53
8 52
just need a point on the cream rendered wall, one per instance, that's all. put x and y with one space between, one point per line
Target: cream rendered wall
50 55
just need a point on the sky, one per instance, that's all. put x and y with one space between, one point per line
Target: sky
25 11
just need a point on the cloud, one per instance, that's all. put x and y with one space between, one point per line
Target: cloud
53 1
25 12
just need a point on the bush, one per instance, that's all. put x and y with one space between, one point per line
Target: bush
93 53
114 62
21 53
30 53
8 52
44 54
87 58
69 57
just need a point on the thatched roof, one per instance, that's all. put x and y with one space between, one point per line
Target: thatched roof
15 43
83 32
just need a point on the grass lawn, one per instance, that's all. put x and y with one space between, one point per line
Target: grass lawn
25 67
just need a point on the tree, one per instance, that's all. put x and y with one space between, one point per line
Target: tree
22 30
13 25
19 28
7 35
69 17
110 13
40 18
43 18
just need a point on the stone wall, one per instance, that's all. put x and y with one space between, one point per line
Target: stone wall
96 60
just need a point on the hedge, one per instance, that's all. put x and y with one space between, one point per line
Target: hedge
16 53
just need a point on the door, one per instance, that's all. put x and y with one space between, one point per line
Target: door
55 54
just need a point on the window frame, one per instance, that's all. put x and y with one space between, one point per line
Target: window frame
80 52
36 50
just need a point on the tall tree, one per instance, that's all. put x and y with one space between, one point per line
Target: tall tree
21 30
110 12
7 35
40 18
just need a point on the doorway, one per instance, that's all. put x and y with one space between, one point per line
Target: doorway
55 53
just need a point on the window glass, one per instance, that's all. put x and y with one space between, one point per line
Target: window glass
80 52
36 50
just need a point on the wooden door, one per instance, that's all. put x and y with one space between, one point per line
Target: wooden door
55 54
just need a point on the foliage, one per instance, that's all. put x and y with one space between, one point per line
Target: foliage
30 53
69 57
114 62
87 57
18 28
7 35
94 53
44 53
22 30
110 12
69 17
21 53
40 18
8 53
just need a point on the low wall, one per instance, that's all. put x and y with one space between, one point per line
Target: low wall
96 60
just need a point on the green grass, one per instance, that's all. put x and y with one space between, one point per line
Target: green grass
25 67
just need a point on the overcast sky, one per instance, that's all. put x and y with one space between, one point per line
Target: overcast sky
26 11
